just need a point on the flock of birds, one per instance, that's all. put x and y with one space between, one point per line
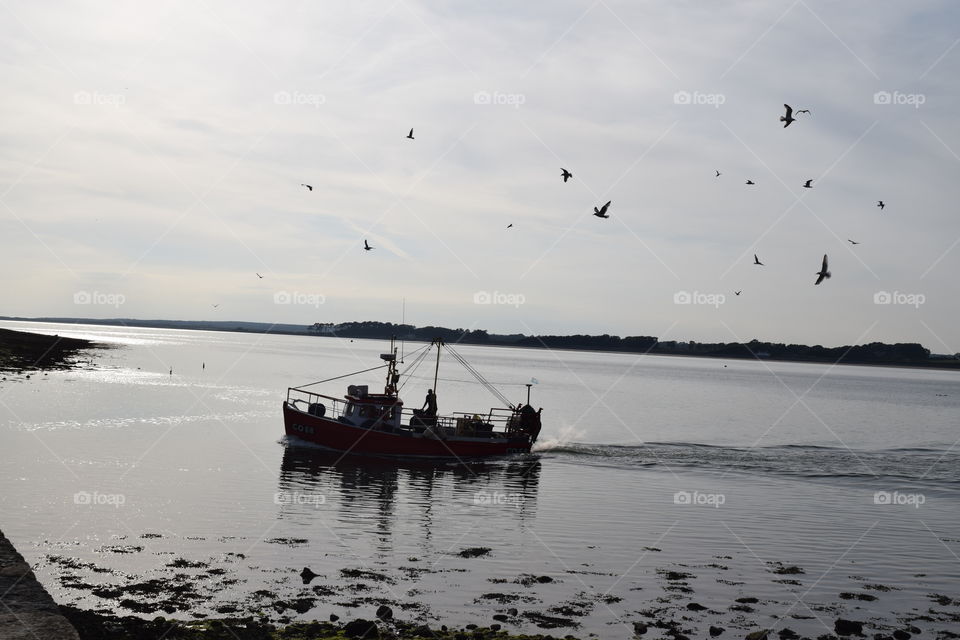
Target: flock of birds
787 119
602 212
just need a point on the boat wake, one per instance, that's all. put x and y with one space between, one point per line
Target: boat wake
567 436
928 466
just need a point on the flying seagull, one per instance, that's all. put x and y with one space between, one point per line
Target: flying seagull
602 211
410 135
509 225
309 187
718 173
756 260
751 182
852 241
366 246
880 204
788 117
803 110
260 276
736 293
566 174
823 273
215 306
808 184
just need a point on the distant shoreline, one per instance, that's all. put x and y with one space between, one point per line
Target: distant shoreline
937 364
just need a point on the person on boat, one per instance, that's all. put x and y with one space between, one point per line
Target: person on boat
530 420
430 404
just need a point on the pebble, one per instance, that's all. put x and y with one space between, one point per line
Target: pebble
848 627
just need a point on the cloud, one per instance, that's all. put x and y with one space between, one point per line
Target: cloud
168 145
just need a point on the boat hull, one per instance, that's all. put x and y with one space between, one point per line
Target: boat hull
337 436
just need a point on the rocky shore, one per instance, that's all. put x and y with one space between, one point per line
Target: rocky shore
23 351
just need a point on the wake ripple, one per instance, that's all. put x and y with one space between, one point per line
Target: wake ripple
925 465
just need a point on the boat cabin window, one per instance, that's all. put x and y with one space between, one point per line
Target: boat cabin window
370 412
375 412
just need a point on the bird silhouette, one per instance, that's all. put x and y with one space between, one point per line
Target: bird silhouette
509 225
602 211
787 118
565 174
215 306
718 173
410 135
751 182
823 273
736 293
808 184
881 204
852 241
756 260
803 110
309 187
260 276
366 246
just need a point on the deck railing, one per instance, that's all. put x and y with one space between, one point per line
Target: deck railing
496 422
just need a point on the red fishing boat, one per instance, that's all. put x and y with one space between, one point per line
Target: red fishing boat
378 424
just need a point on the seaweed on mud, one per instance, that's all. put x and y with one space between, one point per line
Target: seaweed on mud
357 574
120 548
549 622
183 563
781 569
528 579
674 576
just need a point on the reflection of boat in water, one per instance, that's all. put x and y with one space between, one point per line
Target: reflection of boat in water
378 424
357 488
303 467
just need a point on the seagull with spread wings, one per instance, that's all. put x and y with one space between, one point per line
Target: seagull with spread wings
787 118
824 272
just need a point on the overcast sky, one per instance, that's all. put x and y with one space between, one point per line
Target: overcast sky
151 156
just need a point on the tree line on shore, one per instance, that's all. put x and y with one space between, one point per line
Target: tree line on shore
878 352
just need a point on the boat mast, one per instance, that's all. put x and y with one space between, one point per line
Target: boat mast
436 371
392 376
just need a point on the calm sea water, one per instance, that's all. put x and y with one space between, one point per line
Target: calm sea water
659 482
